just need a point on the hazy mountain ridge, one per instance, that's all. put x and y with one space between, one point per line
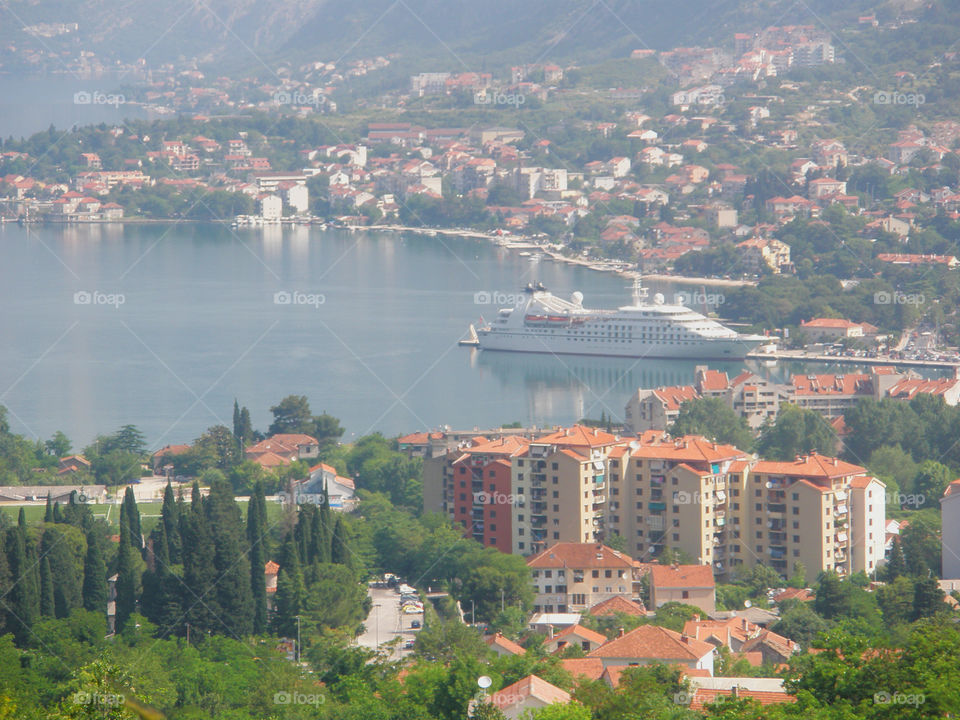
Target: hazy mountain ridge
466 33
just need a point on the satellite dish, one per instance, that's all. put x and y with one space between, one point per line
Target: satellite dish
747 604
577 298
769 485
484 681
658 298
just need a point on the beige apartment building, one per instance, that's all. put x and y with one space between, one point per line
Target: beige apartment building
560 484
573 576
673 493
800 511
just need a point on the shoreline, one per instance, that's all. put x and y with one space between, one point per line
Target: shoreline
512 242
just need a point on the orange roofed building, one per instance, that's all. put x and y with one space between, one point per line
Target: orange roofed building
571 577
527 695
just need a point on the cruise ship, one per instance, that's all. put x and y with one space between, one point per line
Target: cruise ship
544 323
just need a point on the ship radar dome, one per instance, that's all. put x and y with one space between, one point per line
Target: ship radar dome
577 298
658 298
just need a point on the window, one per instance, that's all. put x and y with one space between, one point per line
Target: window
548 573
686 594
596 574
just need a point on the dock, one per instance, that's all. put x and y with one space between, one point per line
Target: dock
800 355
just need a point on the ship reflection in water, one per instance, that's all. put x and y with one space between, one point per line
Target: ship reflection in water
575 386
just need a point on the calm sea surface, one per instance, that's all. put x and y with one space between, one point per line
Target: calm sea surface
163 326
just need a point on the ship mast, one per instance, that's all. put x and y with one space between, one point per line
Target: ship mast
639 292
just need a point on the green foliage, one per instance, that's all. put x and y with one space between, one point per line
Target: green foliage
714 419
796 431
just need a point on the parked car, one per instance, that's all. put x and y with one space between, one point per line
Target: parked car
408 645
415 624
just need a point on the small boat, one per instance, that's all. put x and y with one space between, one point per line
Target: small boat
471 340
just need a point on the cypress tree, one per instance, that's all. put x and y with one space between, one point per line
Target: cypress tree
291 591
233 589
22 602
246 428
170 519
57 513
326 528
317 538
339 552
302 534
95 591
237 430
64 573
133 519
196 498
48 513
126 587
22 520
256 532
896 565
46 589
199 602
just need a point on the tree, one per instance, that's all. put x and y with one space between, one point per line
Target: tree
256 538
130 514
292 415
896 565
714 419
921 546
801 624
95 593
339 550
830 596
46 589
327 430
58 445
129 439
232 587
796 431
219 443
931 481
170 519
927 598
197 597
48 511
64 571
895 599
127 581
22 603
291 591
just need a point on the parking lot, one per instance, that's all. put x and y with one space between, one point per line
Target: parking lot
386 622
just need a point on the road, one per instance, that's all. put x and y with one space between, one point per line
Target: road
385 622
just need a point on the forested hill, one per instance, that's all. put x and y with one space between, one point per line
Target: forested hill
248 31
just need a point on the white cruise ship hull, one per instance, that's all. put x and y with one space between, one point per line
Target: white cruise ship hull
557 343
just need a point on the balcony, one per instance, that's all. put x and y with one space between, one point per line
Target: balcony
538 506
540 522
840 510
776 509
657 506
778 538
655 523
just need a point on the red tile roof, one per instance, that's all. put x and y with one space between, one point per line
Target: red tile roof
579 436
504 643
591 668
581 632
617 604
812 465
689 448
682 576
654 643
580 555
530 686
702 696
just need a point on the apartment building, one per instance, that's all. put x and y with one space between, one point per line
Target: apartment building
574 576
673 493
560 483
950 522
800 511
478 488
